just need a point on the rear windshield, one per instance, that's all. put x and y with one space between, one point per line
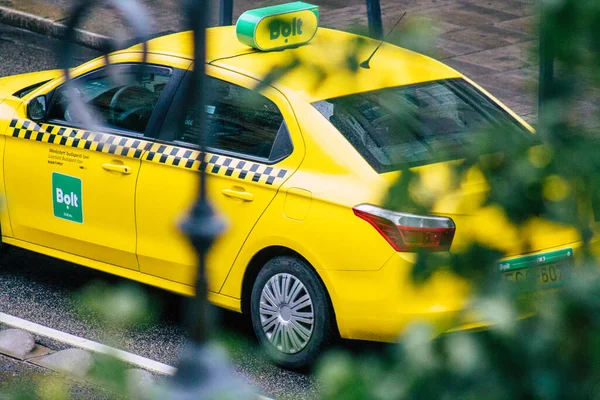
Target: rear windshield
414 125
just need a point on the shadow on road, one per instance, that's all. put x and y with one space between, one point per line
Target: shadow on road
42 289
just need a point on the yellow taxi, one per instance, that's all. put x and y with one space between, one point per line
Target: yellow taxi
300 169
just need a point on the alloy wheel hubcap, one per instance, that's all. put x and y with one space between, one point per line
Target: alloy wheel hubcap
286 313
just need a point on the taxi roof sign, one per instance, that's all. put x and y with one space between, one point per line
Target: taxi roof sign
278 27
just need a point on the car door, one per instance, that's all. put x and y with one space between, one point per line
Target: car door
73 190
251 153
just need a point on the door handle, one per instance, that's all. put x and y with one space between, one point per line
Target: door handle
246 196
123 169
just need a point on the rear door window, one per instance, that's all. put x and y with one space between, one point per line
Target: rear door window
414 125
239 121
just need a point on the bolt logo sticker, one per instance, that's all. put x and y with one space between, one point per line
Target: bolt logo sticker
66 197
279 27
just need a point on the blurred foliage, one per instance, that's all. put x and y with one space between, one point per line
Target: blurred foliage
37 387
549 178
119 307
552 356
47 386
552 180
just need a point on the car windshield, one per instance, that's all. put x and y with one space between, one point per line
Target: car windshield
414 125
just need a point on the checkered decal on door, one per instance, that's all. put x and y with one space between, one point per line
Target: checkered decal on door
180 157
215 164
77 138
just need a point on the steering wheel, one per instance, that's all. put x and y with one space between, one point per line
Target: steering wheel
127 113
118 117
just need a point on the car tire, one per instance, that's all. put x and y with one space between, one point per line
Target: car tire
286 292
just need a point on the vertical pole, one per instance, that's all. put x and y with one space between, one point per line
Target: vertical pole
374 15
546 80
200 223
203 372
226 12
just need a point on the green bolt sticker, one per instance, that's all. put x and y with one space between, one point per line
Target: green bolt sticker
66 197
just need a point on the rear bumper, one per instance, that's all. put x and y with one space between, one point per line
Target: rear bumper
379 305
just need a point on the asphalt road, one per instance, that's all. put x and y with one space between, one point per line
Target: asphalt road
42 290
22 52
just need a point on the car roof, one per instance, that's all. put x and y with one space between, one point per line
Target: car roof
319 75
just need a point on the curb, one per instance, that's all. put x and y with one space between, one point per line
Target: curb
85 344
47 27
77 360
74 363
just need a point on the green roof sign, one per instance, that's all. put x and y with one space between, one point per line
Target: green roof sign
278 27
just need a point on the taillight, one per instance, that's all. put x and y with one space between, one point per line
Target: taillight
409 232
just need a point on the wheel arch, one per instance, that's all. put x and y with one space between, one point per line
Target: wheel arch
257 263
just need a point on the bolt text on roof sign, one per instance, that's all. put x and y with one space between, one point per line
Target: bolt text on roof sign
278 27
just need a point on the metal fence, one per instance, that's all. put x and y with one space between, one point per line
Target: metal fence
202 371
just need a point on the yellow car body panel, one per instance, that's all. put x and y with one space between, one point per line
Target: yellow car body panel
331 49
104 236
12 84
158 236
108 237
130 226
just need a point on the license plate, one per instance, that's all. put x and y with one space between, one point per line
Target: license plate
544 270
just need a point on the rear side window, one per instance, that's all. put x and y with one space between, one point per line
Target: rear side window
414 125
239 121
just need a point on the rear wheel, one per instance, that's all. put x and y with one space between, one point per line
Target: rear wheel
291 313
